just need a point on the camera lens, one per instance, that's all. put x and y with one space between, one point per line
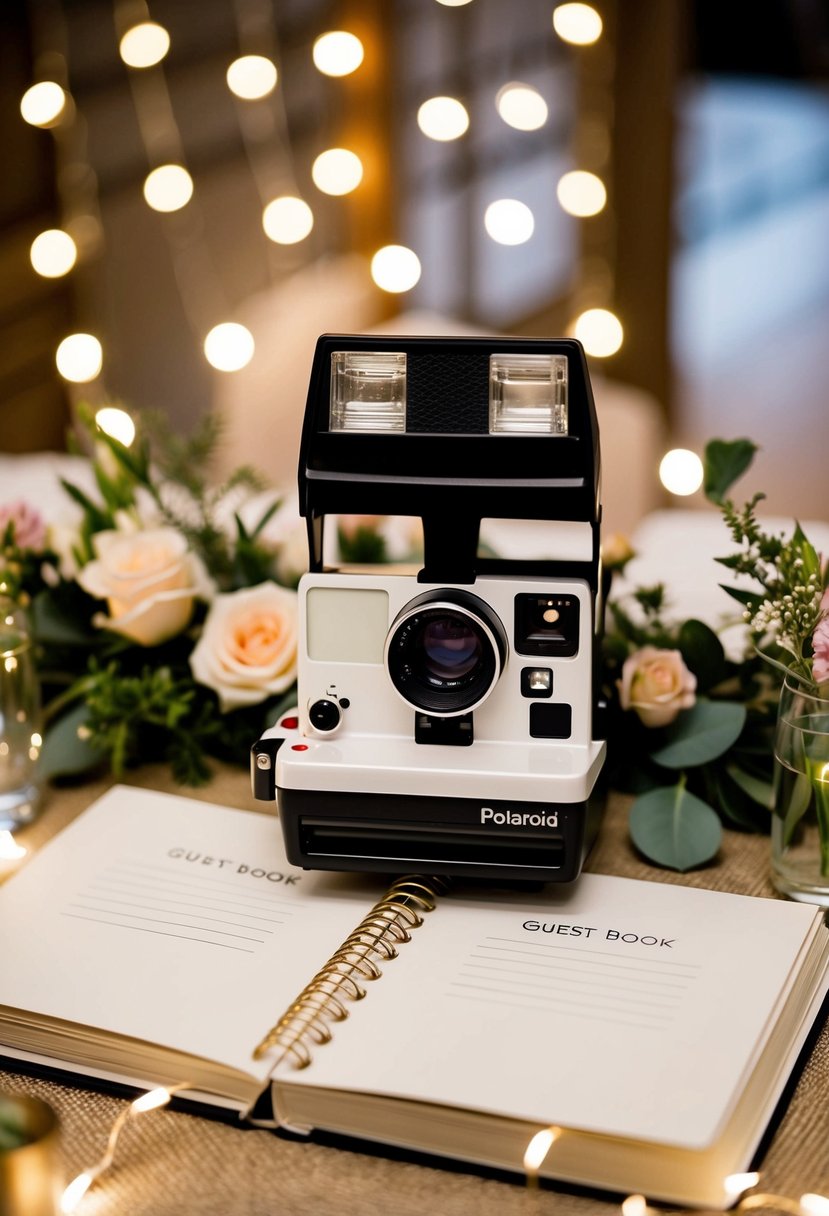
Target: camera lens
445 652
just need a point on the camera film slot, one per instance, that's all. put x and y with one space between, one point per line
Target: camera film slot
325 999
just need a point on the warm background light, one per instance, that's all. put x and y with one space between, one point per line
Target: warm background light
53 253
168 188
10 850
251 77
443 118
337 171
577 23
338 53
395 268
43 103
521 106
144 45
680 471
116 423
509 222
79 358
453 3
581 193
229 347
599 331
287 220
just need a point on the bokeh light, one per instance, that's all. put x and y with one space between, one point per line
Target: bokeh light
443 118
337 53
116 423
599 331
509 222
168 188
79 358
251 77
53 253
229 347
395 268
287 220
144 45
43 104
577 23
581 193
337 171
521 106
681 471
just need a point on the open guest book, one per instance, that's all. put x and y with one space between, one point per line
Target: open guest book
159 940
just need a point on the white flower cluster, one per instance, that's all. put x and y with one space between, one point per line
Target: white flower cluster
792 615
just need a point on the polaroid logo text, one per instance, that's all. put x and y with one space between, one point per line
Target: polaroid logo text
519 819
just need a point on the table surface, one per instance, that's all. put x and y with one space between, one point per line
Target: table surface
171 1162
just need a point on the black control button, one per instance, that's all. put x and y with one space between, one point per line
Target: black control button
536 682
551 721
324 715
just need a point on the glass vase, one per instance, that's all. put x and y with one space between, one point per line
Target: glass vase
800 813
20 720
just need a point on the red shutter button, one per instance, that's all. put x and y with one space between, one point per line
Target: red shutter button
289 723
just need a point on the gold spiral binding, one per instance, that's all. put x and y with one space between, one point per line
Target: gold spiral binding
386 927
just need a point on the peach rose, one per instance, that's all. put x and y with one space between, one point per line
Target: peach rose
248 647
657 685
149 580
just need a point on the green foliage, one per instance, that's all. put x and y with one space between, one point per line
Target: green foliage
14 1131
725 461
674 828
701 734
362 546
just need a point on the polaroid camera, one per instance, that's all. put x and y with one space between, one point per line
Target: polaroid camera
446 718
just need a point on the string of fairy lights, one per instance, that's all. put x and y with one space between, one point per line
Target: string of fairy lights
287 217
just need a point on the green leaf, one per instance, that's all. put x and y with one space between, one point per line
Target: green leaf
799 799
674 828
701 733
703 653
52 625
63 752
725 461
760 791
806 551
735 806
749 599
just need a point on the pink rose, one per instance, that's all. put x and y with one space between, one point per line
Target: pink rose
28 524
657 685
820 643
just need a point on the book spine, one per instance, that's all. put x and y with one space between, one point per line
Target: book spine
375 941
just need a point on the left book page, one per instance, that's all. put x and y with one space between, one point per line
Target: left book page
171 921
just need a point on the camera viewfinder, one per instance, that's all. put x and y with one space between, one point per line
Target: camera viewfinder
547 625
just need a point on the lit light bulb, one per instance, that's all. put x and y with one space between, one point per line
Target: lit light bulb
79 358
509 222
117 423
287 220
735 1184
599 331
251 77
168 188
229 347
43 104
395 268
577 23
144 45
337 171
812 1204
581 193
521 106
443 118
337 53
634 1205
453 3
75 1192
53 253
538 1148
10 850
681 471
151 1100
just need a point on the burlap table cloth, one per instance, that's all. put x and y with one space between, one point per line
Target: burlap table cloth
171 1164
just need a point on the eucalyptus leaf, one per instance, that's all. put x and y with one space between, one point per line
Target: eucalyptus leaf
52 625
701 733
799 799
65 752
758 790
674 828
725 461
735 806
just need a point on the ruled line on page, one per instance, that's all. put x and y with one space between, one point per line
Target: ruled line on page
198 885
161 933
500 999
177 923
269 894
185 903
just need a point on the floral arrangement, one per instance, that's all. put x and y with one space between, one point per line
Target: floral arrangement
165 624
691 730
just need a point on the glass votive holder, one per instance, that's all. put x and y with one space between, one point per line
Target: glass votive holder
21 728
31 1182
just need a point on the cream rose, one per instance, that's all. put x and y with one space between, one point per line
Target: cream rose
149 580
657 685
248 646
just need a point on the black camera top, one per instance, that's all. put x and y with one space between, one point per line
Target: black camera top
451 430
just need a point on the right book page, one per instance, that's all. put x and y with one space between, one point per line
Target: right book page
628 1008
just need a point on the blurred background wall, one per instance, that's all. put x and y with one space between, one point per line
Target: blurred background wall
702 230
